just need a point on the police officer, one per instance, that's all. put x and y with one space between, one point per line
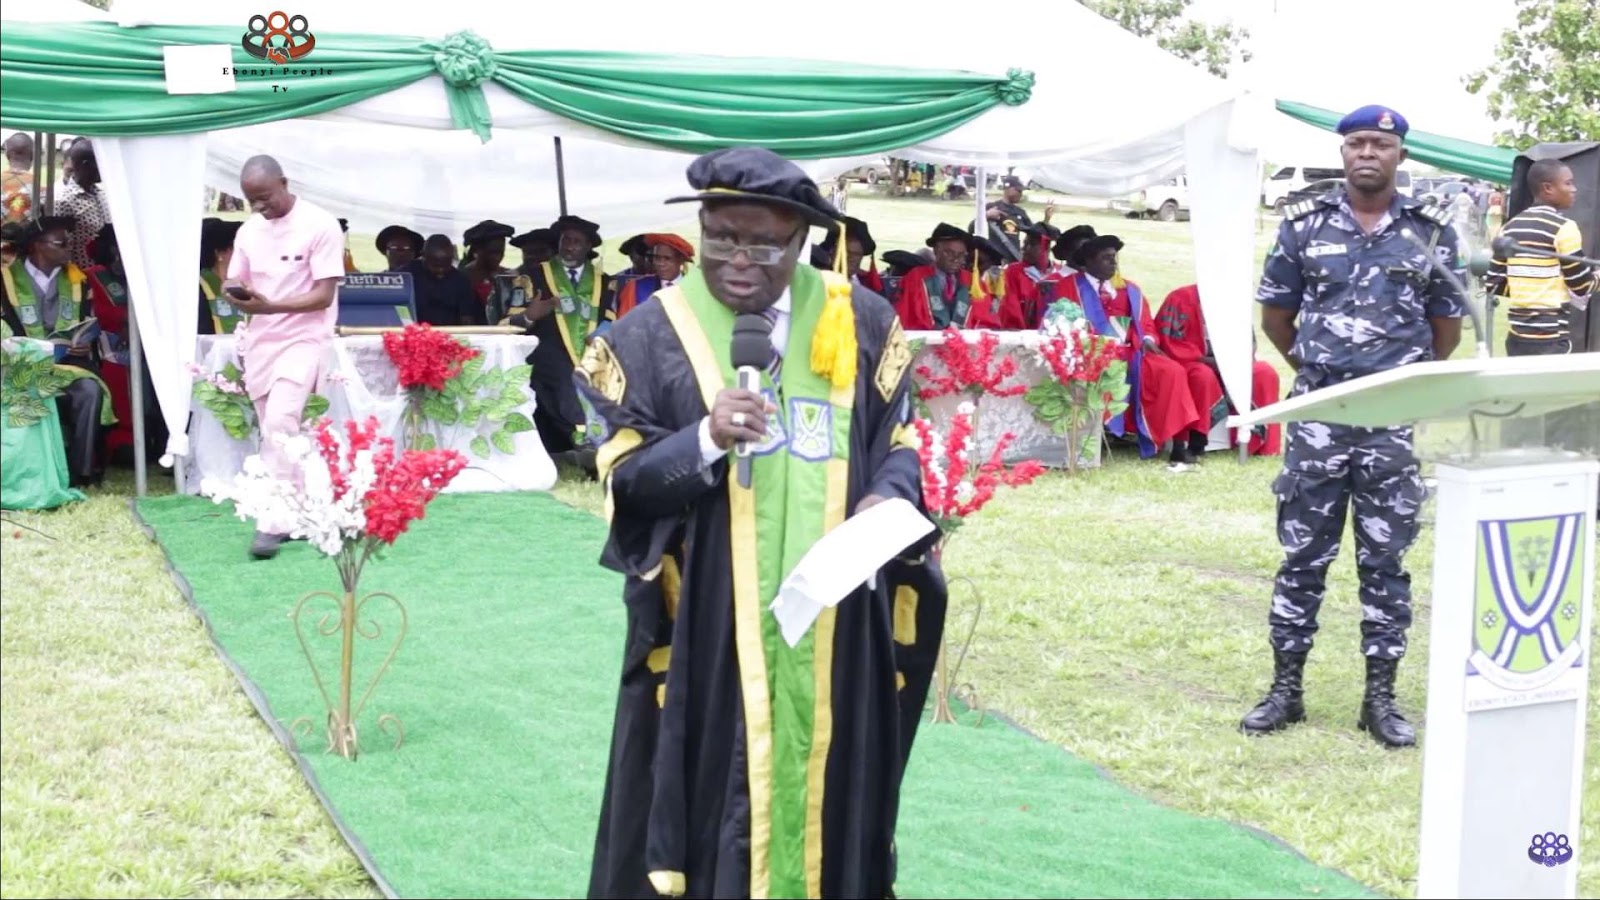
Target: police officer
1347 291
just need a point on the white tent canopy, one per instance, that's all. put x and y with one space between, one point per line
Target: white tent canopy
395 159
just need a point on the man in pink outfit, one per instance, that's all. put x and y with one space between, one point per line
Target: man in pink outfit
288 260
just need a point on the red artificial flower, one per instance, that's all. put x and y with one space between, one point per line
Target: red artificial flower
426 357
970 369
404 488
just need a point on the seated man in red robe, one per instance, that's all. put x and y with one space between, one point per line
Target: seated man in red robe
1160 408
1183 336
987 275
1020 307
938 294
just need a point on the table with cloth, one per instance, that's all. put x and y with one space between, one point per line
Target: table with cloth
359 380
33 457
997 415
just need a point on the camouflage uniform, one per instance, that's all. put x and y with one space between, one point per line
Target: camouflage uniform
1363 305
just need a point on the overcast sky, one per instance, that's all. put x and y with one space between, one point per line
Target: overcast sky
1342 54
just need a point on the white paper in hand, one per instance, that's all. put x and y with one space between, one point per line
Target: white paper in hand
843 560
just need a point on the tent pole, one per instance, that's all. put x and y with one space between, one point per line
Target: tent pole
561 177
45 203
136 395
981 196
38 172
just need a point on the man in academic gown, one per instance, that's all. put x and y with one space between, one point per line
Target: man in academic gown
938 294
670 254
858 248
1181 328
742 767
570 297
400 247
538 247
1160 407
987 276
43 294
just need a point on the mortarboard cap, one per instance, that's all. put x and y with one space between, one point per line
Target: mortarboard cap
1095 245
633 245
579 224
758 175
1375 118
534 238
902 260
391 232
948 232
487 230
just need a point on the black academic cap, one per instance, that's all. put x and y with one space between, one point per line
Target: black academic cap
487 230
577 223
903 260
344 225
759 175
1063 245
390 232
822 256
1095 245
634 245
34 229
948 232
991 247
858 229
533 238
1045 230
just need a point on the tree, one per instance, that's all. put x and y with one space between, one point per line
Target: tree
1211 47
1545 81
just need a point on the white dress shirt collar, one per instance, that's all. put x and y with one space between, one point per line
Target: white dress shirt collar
40 278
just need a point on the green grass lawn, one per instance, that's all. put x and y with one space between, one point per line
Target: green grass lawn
1124 618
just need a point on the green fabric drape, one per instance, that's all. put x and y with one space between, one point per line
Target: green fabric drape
1451 154
99 79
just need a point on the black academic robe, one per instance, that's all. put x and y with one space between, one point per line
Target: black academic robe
557 413
78 407
677 802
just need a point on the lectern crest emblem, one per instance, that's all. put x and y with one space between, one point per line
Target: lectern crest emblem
1529 600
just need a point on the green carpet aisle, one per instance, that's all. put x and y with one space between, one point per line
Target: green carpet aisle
505 685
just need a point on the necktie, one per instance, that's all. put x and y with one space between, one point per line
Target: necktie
775 364
572 277
1105 295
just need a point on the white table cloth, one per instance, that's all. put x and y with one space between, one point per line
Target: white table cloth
359 381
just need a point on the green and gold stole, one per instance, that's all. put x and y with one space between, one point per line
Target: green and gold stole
800 486
578 305
24 297
224 317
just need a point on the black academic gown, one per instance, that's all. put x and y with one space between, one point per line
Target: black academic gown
677 793
78 408
557 413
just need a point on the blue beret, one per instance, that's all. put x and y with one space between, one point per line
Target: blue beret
1375 118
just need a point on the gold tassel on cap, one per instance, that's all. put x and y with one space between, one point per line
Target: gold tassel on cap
833 344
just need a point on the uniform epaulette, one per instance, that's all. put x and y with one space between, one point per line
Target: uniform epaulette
1435 213
1302 209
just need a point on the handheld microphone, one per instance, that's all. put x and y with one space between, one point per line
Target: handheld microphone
1505 247
1480 318
750 351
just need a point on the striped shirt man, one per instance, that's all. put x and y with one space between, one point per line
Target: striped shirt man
1538 287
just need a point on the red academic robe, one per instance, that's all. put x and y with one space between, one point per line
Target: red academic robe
871 280
1182 335
1022 309
112 319
1162 409
916 311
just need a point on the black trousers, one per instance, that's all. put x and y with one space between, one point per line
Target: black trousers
79 410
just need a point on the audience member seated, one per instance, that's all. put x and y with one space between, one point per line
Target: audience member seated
400 247
444 293
988 283
638 254
671 255
108 303
1183 336
1160 407
858 248
538 247
44 298
217 314
1020 305
486 250
935 295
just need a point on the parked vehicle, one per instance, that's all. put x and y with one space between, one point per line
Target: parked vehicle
1293 178
873 173
1445 192
1167 202
1315 189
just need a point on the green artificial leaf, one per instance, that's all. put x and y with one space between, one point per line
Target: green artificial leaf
519 375
426 441
472 413
316 406
231 373
480 447
441 409
516 423
504 442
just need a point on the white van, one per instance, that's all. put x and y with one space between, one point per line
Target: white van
1293 178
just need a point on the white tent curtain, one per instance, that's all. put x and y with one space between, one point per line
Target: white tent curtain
152 185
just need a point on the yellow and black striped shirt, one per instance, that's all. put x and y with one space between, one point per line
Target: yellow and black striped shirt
1537 288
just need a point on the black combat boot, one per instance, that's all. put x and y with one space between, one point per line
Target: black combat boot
1282 706
1379 716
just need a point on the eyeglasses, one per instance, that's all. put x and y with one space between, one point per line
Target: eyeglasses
758 254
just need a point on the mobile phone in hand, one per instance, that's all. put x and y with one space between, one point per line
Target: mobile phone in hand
238 292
